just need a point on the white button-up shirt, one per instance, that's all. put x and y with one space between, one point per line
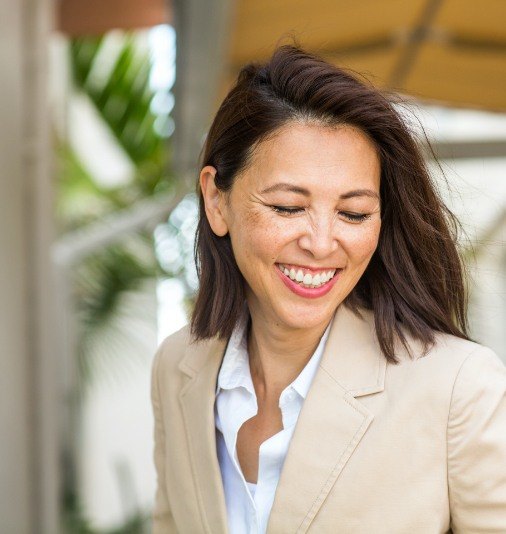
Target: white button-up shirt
249 505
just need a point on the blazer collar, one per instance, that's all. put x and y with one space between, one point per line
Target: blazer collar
352 355
351 366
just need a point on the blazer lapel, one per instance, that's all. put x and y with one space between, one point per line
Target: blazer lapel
331 423
202 362
330 426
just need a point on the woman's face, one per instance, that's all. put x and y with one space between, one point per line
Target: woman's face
306 207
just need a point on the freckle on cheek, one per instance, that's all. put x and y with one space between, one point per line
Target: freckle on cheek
252 217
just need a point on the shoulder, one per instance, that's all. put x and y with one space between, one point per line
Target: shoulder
480 378
170 352
182 352
452 368
451 353
476 443
479 372
469 355
174 344
172 349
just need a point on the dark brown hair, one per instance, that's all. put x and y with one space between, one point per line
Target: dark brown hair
414 282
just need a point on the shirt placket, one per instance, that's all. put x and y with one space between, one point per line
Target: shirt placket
237 420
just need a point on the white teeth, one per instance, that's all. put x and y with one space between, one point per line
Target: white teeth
307 279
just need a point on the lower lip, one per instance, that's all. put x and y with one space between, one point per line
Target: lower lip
308 292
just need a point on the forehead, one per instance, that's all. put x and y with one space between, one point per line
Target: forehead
314 156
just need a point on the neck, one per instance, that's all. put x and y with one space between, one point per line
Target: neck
277 355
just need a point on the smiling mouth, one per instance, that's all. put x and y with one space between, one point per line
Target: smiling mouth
305 279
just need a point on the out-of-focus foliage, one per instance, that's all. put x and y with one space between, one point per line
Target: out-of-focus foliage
118 86
74 522
123 97
80 199
117 82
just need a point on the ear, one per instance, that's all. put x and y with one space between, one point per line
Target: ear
214 200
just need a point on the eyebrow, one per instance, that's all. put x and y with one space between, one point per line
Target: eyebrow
283 186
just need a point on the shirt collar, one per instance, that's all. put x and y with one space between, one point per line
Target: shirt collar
235 370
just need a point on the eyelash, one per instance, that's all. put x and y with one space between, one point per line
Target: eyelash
353 217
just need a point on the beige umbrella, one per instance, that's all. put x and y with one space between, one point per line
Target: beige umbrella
451 52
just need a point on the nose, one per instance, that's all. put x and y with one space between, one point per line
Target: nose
320 238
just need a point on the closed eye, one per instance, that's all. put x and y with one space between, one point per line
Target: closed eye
285 210
355 217
352 217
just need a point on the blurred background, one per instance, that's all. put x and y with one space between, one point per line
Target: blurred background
104 105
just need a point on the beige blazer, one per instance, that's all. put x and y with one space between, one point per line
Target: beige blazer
415 448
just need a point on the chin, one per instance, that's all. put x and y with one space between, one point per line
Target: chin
304 318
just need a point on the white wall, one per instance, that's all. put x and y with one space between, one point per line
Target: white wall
477 196
116 471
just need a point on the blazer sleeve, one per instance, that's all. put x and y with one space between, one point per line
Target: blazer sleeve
477 446
162 519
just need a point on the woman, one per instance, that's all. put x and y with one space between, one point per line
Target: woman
326 382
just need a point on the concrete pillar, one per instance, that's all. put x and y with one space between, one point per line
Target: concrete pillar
28 371
15 416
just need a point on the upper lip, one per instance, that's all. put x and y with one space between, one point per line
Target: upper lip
308 267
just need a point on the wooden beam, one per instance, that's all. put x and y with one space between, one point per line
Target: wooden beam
417 36
95 17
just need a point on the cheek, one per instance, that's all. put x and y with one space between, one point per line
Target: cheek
361 243
259 237
267 242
